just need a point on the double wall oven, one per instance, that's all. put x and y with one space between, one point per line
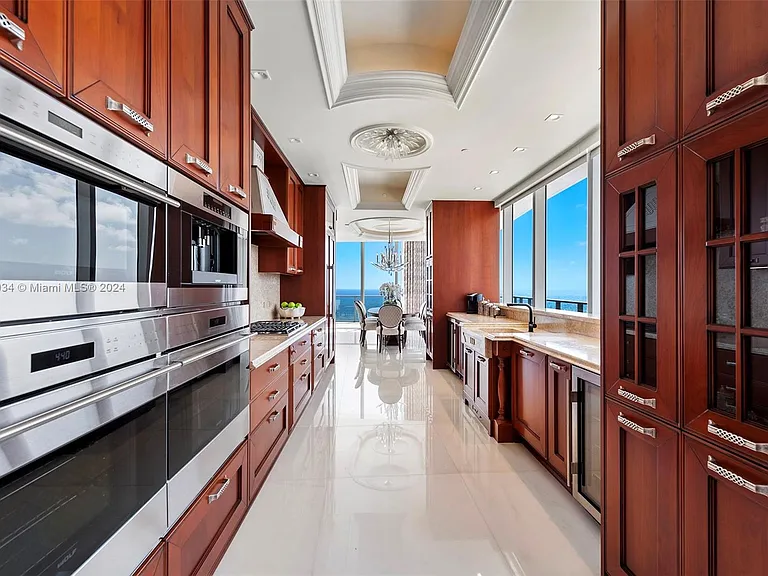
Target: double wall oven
123 341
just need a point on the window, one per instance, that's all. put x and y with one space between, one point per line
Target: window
522 250
348 280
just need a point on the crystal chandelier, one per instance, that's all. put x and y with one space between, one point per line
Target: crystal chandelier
390 260
391 142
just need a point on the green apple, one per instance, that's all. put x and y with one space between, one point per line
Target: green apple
299 304
284 305
291 304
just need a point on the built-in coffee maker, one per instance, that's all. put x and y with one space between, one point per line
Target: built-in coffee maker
473 302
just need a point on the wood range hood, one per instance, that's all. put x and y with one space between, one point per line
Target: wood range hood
268 231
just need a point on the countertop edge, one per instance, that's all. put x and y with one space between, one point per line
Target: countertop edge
279 347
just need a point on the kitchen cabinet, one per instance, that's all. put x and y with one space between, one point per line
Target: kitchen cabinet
265 442
318 355
640 512
302 388
529 402
289 192
41 56
234 103
480 377
640 286
470 375
639 79
724 60
119 67
725 513
194 90
725 321
558 416
155 564
199 539
482 389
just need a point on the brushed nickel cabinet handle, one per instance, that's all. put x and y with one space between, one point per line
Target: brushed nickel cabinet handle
761 489
304 362
713 428
557 367
237 190
636 427
647 141
273 368
637 399
526 354
273 417
216 495
304 377
194 160
273 395
132 115
736 91
15 32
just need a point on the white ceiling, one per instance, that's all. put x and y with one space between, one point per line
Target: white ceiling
544 60
382 188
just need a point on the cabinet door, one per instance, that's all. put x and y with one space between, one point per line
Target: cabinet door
155 565
482 366
470 375
119 66
234 104
558 415
641 286
640 507
530 398
725 514
41 56
194 140
640 76
725 317
724 60
197 542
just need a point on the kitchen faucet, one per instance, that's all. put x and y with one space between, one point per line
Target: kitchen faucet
531 323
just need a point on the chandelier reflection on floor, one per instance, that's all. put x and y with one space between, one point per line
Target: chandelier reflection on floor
390 260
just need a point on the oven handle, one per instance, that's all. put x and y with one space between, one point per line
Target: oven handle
213 350
43 147
56 413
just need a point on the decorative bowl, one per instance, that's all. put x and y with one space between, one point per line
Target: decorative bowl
291 312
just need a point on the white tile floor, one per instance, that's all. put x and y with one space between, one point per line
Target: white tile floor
388 473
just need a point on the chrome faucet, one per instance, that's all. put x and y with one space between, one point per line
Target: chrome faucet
531 322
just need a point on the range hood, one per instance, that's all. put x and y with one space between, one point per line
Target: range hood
269 226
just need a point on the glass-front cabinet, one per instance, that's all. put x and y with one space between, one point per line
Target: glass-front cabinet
641 286
725 285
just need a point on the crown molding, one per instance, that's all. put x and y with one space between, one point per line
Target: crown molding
353 185
483 23
415 182
328 32
405 84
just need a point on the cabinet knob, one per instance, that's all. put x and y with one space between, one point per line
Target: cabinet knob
712 465
736 91
131 114
15 32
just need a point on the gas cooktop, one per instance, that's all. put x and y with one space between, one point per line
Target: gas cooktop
276 326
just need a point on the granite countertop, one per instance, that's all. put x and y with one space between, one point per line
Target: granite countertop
265 346
465 318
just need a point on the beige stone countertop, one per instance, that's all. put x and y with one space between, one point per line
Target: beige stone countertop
479 319
265 346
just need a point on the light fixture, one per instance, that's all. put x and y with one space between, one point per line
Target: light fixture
390 259
465 149
553 118
312 175
391 141
477 188
493 172
261 75
294 140
519 149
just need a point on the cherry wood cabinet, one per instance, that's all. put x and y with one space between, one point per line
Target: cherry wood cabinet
558 416
41 56
156 564
640 509
725 514
724 60
725 318
234 103
640 79
265 442
290 194
198 541
640 297
119 66
194 95
529 397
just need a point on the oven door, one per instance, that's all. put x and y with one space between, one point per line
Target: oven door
76 238
207 414
585 440
82 475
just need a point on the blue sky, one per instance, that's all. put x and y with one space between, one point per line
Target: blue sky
348 265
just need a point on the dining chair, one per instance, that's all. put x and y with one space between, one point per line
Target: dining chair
417 323
366 324
390 324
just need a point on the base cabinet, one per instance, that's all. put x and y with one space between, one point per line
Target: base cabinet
529 401
156 564
558 412
265 442
725 514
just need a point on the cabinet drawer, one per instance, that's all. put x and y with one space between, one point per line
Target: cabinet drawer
725 513
302 389
155 565
197 542
268 434
302 363
264 374
266 401
318 365
301 347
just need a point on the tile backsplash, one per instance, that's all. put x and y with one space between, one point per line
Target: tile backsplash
264 290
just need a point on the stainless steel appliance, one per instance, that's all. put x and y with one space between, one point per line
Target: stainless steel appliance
207 247
585 439
82 213
276 326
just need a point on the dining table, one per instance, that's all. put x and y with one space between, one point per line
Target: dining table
374 312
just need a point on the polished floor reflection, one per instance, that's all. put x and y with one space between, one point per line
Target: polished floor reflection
387 473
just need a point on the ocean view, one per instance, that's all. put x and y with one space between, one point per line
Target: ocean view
345 302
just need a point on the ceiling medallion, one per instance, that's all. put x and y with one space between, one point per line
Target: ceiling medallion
392 141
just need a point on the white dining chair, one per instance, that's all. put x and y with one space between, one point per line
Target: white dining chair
390 324
416 323
366 324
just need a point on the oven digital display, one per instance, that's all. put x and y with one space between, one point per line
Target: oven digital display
218 321
61 356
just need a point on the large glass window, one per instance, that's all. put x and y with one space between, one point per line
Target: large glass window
348 280
522 250
566 241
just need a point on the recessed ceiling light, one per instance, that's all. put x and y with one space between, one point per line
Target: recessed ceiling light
261 74
478 188
553 118
294 140
312 175
519 149
465 149
494 172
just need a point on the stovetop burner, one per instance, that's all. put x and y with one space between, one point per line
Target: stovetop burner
276 326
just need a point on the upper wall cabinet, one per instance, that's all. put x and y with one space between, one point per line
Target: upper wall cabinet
194 104
724 63
32 39
639 79
234 103
119 66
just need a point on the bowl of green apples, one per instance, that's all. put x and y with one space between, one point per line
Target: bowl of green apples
291 310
